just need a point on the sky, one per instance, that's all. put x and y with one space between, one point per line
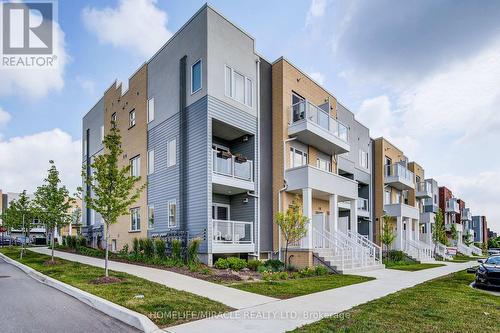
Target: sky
425 74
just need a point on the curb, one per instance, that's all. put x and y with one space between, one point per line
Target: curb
116 311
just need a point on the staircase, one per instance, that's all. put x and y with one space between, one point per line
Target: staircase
475 250
464 249
346 253
441 251
419 251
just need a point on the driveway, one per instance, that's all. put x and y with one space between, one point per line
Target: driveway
30 306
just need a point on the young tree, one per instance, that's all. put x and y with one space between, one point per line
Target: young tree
76 218
19 216
468 239
454 233
439 231
114 189
388 236
53 203
292 224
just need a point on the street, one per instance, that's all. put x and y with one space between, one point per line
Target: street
27 305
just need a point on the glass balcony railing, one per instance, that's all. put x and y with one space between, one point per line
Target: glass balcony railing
398 170
232 166
363 204
452 205
310 112
232 232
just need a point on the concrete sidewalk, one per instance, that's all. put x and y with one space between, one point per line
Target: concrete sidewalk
288 314
237 299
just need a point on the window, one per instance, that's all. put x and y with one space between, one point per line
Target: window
387 197
172 213
113 119
196 77
398 197
113 245
151 217
102 133
363 159
220 211
151 110
131 118
171 153
151 162
297 158
135 219
388 163
135 166
323 164
238 86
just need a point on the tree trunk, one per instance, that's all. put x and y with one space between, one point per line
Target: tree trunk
52 242
106 251
286 255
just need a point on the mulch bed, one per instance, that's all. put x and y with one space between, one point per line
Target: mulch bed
105 280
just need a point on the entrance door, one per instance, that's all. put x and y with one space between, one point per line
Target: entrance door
220 212
319 221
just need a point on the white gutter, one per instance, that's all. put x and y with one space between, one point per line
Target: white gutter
257 234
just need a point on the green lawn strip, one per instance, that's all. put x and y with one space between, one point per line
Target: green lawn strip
164 306
461 258
411 267
446 304
297 287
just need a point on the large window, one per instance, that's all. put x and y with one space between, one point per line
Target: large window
151 217
151 162
363 159
131 118
135 219
172 153
135 166
196 77
151 109
323 164
172 213
387 197
238 86
297 158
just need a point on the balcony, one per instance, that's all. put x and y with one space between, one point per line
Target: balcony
315 127
232 236
452 206
458 226
363 207
320 181
466 214
423 190
231 174
399 177
427 217
401 210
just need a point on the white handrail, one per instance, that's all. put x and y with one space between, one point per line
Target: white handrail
374 250
477 251
464 249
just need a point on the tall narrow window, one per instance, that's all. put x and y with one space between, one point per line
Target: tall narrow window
135 166
171 153
387 197
102 133
196 77
239 87
135 219
363 159
113 119
151 110
131 118
151 162
151 216
172 213
229 80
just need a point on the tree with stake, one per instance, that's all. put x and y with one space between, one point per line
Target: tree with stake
388 236
454 233
293 225
114 189
19 216
52 203
439 231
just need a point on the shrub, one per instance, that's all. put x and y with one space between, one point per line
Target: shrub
64 241
192 251
149 248
254 264
236 264
124 250
307 272
88 251
396 256
142 245
177 250
263 268
71 242
80 241
295 275
274 276
160 247
321 270
275 265
222 263
135 246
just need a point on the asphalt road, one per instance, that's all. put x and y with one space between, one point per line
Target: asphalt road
27 305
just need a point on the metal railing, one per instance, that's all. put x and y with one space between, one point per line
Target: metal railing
418 249
398 170
424 187
363 204
477 251
305 110
466 214
442 251
232 232
373 249
462 248
452 205
231 166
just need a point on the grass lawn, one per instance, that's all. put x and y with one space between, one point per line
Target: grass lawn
461 258
446 304
298 287
410 267
161 304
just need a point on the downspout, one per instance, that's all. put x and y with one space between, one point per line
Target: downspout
257 233
282 190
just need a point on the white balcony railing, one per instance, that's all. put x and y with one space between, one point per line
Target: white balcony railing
398 170
305 110
452 205
231 166
232 232
363 204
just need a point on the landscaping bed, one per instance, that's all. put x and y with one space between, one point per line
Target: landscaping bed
400 261
163 305
446 304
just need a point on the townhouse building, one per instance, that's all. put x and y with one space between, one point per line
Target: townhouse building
451 210
430 209
480 228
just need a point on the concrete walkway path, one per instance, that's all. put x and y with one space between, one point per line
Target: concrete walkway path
288 314
237 299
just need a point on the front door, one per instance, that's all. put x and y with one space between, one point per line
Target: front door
220 212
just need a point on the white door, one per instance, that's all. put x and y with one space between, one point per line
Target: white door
343 224
318 224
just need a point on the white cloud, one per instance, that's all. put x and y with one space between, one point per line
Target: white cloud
138 25
4 117
318 77
86 84
25 160
37 82
316 9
